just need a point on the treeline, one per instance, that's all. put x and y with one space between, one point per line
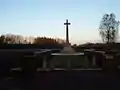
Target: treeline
98 46
10 41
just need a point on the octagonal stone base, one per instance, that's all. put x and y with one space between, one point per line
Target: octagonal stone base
68 49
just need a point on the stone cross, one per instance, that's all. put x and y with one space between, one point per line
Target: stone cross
67 33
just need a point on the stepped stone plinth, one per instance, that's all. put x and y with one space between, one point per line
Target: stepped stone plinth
68 49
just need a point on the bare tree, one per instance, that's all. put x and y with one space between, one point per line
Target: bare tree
109 28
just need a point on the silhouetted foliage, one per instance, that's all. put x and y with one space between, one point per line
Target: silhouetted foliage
99 46
10 41
45 41
109 28
2 38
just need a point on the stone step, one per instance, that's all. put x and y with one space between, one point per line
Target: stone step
16 69
57 69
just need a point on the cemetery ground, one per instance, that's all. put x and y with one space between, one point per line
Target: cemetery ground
31 79
63 80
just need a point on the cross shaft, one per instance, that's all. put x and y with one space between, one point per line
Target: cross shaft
67 33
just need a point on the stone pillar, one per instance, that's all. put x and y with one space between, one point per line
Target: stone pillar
86 60
93 60
51 66
69 64
44 62
110 64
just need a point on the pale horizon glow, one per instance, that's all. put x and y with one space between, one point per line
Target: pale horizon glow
47 17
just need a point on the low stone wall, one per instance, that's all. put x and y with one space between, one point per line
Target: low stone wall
73 60
12 59
21 58
15 58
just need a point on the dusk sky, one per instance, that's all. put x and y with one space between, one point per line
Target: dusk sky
47 17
